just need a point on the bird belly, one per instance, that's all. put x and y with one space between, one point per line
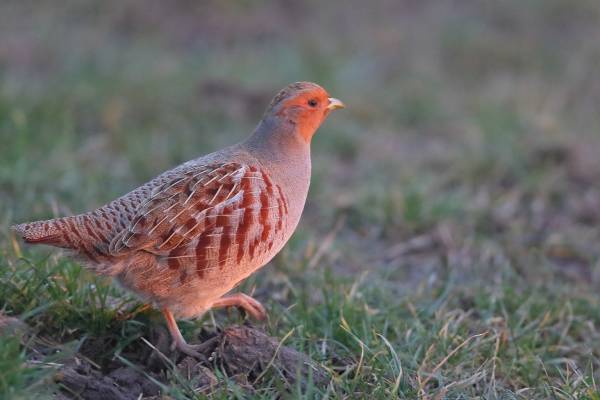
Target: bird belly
192 287
195 297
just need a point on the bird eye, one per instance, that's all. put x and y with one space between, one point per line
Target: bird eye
312 102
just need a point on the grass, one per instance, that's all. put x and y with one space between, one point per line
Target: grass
448 249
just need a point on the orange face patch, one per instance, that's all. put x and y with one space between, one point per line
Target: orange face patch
308 109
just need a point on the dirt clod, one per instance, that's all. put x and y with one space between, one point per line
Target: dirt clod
81 380
246 354
201 378
250 352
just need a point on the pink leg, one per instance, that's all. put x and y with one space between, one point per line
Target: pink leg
179 342
244 301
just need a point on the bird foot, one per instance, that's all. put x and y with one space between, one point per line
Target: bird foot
179 342
194 350
247 303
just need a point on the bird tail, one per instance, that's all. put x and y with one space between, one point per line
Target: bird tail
51 232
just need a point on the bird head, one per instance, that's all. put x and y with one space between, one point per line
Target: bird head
305 105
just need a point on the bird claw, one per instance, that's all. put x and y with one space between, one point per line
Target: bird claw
254 308
194 350
245 302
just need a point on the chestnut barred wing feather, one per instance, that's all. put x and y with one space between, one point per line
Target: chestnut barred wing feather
208 215
179 209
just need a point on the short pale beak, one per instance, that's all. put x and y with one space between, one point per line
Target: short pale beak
334 104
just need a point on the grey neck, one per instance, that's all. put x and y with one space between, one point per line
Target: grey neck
275 139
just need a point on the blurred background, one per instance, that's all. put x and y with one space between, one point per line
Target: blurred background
477 118
466 163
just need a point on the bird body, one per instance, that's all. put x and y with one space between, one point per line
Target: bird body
190 235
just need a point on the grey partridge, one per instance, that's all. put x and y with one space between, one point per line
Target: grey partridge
183 240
